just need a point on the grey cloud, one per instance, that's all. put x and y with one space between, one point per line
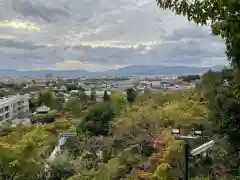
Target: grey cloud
16 44
38 10
64 23
193 32
168 53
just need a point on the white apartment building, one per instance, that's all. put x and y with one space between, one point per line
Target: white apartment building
13 106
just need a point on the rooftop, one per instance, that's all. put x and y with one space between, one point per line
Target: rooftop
43 108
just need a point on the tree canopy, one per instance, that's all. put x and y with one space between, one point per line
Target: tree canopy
96 122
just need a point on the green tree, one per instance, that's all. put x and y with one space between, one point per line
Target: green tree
60 100
71 87
48 98
106 96
96 122
208 84
73 106
189 78
118 102
16 163
223 104
20 154
225 115
131 94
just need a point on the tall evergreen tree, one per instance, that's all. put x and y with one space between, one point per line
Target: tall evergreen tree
131 95
106 96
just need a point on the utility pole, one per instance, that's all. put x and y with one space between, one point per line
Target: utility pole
194 152
186 155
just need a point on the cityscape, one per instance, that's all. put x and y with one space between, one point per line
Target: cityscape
119 90
13 105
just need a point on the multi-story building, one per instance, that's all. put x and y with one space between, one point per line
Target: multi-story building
11 107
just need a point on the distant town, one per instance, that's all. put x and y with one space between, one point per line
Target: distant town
15 92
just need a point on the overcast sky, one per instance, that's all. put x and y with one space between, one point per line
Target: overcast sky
97 35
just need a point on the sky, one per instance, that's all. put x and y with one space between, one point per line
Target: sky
97 35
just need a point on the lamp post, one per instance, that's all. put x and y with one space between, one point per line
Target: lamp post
201 149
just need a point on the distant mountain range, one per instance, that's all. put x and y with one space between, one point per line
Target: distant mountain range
136 70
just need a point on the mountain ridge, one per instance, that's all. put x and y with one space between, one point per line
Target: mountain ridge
125 71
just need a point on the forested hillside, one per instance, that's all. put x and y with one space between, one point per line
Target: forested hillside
125 139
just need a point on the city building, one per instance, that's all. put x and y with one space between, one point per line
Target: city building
12 106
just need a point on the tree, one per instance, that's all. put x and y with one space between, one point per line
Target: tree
93 96
60 99
71 87
189 78
16 163
96 122
73 106
106 97
20 154
118 102
223 104
208 84
23 152
131 95
224 113
48 98
83 97
223 17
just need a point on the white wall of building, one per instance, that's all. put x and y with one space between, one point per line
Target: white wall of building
13 106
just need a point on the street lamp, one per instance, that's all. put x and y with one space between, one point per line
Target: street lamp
176 131
194 152
197 133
